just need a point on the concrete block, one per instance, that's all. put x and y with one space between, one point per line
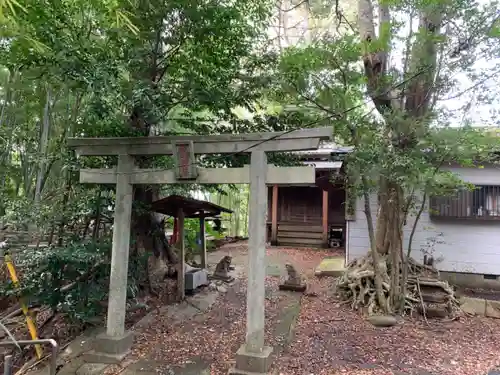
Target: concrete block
195 279
114 344
250 362
476 306
333 267
492 309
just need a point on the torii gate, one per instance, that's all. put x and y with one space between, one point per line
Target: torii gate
253 356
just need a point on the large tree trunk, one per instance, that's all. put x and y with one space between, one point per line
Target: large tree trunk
405 119
148 227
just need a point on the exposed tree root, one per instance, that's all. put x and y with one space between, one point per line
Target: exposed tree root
425 293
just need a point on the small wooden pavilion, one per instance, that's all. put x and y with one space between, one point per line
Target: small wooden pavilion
193 208
180 208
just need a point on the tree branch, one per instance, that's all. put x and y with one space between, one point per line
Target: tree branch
374 58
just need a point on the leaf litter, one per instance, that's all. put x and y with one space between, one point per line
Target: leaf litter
329 338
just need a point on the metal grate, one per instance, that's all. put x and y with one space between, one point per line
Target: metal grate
482 203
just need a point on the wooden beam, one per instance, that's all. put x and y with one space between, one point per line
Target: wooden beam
203 243
274 216
217 144
325 218
181 277
275 176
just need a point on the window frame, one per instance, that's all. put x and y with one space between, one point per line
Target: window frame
481 204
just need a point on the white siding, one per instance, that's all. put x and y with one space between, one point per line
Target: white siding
467 246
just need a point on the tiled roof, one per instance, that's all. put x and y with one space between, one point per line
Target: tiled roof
328 148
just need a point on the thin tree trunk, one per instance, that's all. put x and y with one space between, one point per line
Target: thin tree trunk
376 257
44 139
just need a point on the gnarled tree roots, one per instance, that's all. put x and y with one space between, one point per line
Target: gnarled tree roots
425 293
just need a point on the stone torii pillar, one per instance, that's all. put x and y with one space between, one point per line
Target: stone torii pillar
254 356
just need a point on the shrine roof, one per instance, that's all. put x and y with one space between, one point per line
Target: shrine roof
193 208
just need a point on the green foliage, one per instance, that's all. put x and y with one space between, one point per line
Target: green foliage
46 271
72 279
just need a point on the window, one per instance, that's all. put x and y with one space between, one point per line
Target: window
482 203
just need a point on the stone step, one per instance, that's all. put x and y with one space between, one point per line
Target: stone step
300 228
292 235
299 241
294 244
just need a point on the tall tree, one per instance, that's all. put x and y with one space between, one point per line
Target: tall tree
391 109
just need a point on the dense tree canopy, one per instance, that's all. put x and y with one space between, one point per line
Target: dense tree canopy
388 76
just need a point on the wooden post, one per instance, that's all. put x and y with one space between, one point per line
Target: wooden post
182 256
115 324
203 243
274 216
325 218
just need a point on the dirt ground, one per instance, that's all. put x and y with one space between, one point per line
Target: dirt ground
329 337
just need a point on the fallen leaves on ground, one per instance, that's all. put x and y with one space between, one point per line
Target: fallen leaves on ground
329 339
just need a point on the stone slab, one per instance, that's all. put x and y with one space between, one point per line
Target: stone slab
235 371
492 309
99 357
204 301
71 367
333 266
143 365
195 366
274 270
77 347
114 344
41 371
475 306
251 362
92 369
287 320
382 320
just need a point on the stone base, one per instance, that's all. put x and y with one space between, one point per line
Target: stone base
248 363
226 279
293 287
110 349
98 357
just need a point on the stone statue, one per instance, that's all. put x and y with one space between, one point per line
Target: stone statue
293 281
222 269
293 276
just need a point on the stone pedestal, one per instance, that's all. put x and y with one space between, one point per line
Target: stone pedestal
248 363
110 349
293 287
